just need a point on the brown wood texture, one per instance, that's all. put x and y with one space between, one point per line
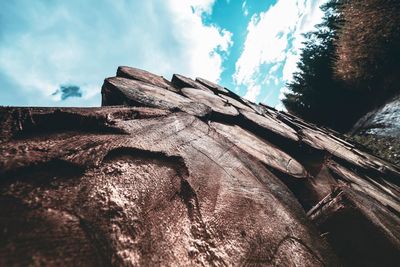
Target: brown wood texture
161 177
213 86
181 81
217 104
145 76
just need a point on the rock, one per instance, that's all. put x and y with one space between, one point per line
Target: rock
379 131
383 121
182 178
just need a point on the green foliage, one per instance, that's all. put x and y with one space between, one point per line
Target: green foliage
315 92
368 47
385 147
338 66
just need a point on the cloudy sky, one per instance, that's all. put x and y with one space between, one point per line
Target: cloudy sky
57 53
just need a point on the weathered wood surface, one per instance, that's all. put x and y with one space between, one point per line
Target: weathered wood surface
133 197
214 87
236 103
181 81
269 123
145 76
261 149
370 221
136 93
217 104
122 91
158 178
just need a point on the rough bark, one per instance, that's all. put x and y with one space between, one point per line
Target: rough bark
183 178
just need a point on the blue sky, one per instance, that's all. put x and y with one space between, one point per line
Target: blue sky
57 53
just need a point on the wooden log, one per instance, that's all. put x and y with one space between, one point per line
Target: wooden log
181 81
217 104
262 150
350 154
236 103
156 195
361 231
270 124
121 91
184 179
217 89
146 77
257 108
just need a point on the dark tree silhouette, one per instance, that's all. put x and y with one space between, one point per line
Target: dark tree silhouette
315 91
368 48
349 64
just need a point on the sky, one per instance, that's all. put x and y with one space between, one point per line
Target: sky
57 53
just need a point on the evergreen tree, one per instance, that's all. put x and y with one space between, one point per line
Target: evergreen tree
349 64
368 48
315 94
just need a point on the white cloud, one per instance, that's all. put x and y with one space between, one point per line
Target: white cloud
245 8
74 42
282 92
252 92
274 68
311 15
200 6
280 107
274 38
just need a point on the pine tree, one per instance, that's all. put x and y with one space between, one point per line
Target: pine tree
368 48
349 64
315 93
